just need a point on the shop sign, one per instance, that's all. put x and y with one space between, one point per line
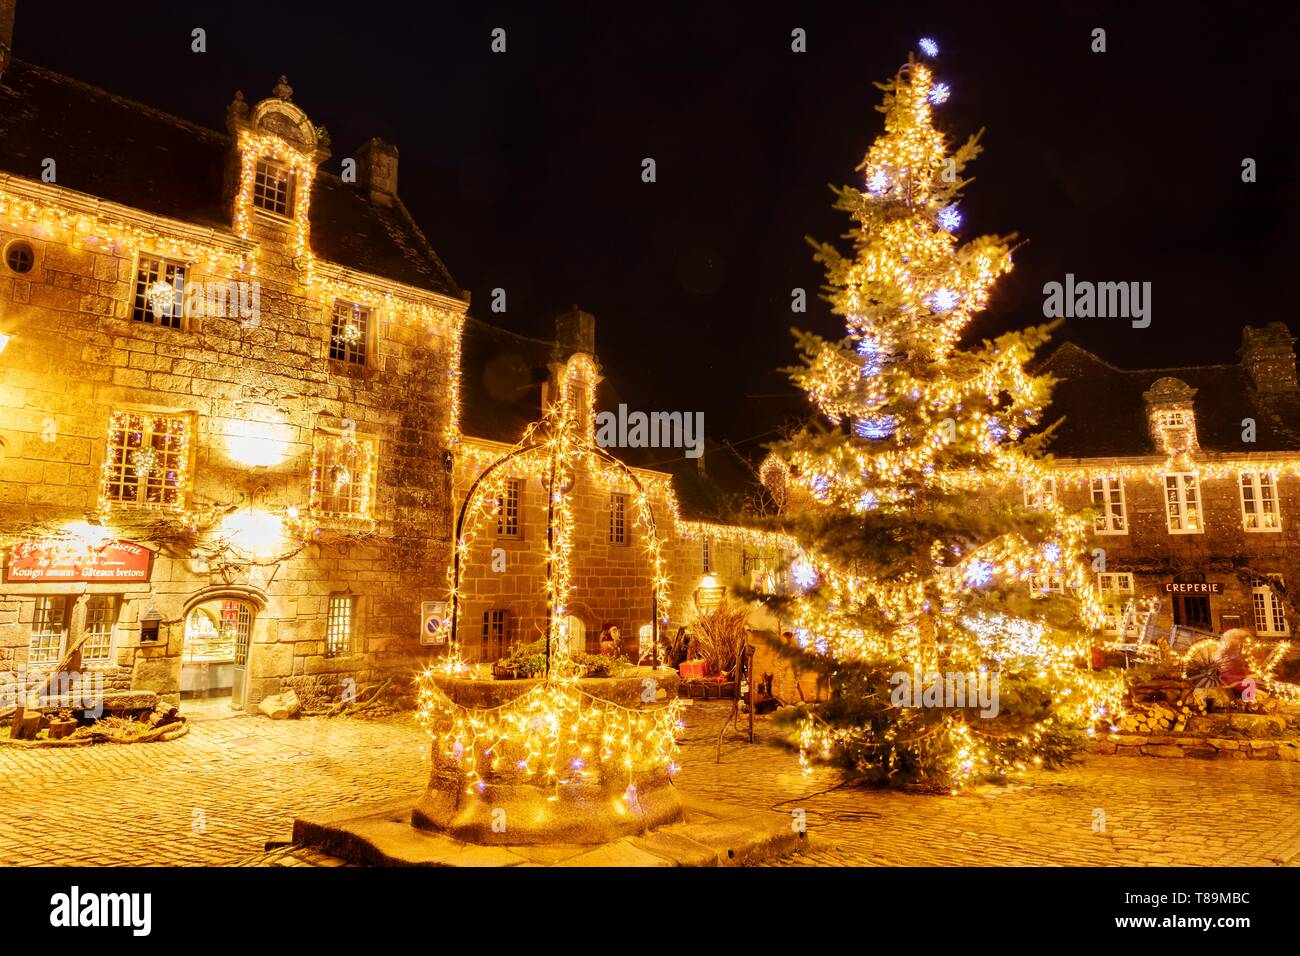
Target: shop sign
707 600
1175 587
56 562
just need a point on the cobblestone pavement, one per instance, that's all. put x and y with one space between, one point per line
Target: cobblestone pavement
216 797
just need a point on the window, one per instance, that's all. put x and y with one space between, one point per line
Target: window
147 459
1116 589
338 626
1259 511
349 333
494 635
49 627
101 612
159 291
1041 585
342 476
508 509
706 554
618 519
1108 500
1183 503
20 257
273 187
1270 619
1038 494
1176 430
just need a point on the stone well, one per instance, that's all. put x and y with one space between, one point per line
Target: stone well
508 806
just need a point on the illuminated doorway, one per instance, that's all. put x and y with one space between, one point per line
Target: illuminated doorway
215 661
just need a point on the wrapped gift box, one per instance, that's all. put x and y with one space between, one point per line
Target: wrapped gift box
691 669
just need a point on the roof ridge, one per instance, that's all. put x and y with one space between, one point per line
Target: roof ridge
153 110
497 328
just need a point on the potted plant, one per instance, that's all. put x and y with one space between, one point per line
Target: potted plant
720 638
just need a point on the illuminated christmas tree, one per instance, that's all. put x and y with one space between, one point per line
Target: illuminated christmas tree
933 540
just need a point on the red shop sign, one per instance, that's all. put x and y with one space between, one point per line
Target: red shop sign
44 564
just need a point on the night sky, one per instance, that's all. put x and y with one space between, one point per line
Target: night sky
524 168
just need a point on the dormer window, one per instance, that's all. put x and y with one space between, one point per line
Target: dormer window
1171 419
273 185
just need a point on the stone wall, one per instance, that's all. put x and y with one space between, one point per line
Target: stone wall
256 393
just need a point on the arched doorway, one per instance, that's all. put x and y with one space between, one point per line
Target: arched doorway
572 635
214 663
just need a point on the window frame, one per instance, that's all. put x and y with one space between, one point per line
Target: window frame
1257 483
115 469
1181 500
141 311
1264 597
1114 607
346 621
618 518
1055 584
365 346
1049 486
706 554
290 187
1109 520
510 525
324 441
496 625
40 639
98 647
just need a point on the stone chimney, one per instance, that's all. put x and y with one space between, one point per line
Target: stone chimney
575 331
377 171
1268 356
7 11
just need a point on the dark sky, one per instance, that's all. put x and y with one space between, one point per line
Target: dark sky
524 168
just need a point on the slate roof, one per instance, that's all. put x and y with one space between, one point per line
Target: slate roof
1105 414
128 153
501 394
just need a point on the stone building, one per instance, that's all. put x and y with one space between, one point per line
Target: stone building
1193 478
509 380
228 391
232 428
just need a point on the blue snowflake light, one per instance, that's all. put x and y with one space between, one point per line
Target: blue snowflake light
877 183
979 573
944 300
1052 553
939 93
949 218
928 46
874 426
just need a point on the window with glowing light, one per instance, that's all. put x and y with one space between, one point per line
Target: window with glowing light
49 629
159 291
147 459
273 187
342 476
1116 592
1108 501
101 615
1259 505
350 333
338 625
706 554
618 519
1039 494
1183 503
1270 617
1041 585
507 508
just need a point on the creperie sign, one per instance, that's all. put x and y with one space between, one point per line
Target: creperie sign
37 563
1173 587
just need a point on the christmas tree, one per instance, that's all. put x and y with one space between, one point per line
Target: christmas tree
936 560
